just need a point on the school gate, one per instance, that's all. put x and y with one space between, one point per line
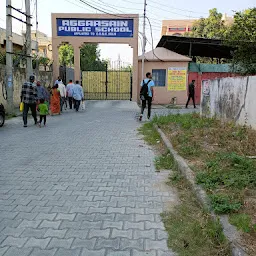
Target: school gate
78 29
111 84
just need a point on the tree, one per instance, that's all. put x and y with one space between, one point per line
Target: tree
2 57
90 58
242 36
66 55
42 61
211 27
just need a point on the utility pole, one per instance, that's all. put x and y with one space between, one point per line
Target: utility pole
9 58
28 39
37 47
144 38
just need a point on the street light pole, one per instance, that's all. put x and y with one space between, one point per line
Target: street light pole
37 46
9 58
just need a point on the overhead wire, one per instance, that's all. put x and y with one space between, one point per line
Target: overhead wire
150 25
76 4
167 11
175 8
112 5
102 10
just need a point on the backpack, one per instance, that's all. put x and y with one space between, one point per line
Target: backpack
144 90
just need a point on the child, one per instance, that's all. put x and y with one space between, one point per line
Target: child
43 110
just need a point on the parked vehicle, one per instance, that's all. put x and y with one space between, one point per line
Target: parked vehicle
2 115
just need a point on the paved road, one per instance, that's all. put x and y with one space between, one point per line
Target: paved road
85 185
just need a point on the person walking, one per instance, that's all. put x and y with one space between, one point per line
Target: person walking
191 93
146 94
29 98
63 93
41 92
69 90
78 95
55 100
43 110
58 81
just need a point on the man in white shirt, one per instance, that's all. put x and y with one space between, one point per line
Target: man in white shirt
58 81
69 89
62 90
78 95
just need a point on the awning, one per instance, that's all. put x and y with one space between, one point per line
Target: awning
196 47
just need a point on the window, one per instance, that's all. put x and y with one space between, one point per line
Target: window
176 29
159 76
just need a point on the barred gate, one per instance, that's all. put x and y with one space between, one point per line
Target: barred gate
107 85
66 74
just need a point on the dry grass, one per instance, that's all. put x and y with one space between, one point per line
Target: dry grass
217 152
191 229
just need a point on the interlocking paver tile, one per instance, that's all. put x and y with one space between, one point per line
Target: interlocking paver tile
13 251
90 194
40 252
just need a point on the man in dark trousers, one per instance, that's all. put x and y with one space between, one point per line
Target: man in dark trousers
29 98
191 93
146 94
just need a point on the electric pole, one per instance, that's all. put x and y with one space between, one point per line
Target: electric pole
28 39
9 58
37 47
144 38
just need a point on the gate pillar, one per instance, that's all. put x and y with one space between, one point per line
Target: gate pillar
55 57
77 69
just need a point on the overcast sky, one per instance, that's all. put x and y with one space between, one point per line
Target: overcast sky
157 10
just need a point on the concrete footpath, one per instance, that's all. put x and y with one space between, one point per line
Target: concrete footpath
85 185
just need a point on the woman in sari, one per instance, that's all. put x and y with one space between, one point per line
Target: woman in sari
55 100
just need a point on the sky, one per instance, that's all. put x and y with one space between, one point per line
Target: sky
157 10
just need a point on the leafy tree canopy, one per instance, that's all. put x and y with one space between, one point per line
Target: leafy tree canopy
66 55
242 36
90 58
211 27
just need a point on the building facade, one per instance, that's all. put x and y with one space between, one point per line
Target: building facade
176 27
44 44
18 41
158 62
180 27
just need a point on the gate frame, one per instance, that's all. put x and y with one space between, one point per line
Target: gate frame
77 42
106 72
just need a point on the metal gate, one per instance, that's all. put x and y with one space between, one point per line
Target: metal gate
107 85
66 74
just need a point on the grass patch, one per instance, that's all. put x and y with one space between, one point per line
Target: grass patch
191 229
164 162
171 106
222 204
242 222
151 136
218 154
10 116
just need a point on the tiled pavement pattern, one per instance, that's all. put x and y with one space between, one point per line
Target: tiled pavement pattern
83 186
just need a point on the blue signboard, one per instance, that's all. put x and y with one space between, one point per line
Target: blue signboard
95 27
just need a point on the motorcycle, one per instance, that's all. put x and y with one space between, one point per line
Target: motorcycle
2 115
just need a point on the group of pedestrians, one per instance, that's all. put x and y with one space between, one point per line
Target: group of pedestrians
49 101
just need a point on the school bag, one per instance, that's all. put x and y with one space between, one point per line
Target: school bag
144 90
